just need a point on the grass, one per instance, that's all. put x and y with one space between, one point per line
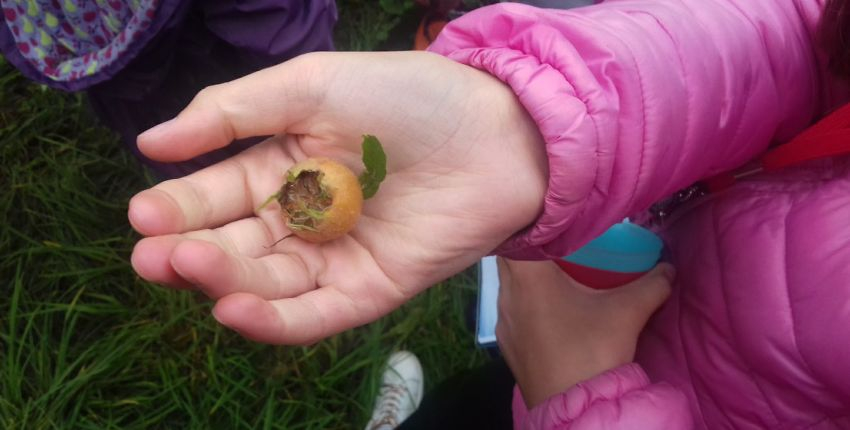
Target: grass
85 344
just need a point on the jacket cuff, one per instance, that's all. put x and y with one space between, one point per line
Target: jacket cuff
562 409
563 118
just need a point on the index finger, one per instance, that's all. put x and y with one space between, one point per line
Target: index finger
214 196
264 103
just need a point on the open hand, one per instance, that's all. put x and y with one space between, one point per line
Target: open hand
466 170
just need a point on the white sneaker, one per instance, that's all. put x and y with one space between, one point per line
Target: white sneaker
401 392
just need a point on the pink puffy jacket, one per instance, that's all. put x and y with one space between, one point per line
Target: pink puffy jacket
639 98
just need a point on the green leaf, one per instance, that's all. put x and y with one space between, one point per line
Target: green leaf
375 161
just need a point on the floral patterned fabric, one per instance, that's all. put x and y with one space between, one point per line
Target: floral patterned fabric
66 40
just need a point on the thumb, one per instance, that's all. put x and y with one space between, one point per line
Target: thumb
648 293
264 103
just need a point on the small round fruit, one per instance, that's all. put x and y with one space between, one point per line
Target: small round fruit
321 199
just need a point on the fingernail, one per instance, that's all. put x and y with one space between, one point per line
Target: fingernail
140 215
150 215
217 318
154 132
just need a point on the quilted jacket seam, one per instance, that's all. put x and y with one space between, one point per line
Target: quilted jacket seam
687 362
734 338
685 78
794 336
642 98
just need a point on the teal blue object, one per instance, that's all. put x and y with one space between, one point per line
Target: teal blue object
624 248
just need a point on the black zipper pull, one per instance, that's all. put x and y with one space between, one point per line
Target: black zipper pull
662 210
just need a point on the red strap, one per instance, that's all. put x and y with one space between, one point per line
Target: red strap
830 137
807 148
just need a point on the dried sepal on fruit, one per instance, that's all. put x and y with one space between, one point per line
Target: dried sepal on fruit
321 199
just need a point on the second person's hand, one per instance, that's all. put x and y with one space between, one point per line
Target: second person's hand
466 169
555 332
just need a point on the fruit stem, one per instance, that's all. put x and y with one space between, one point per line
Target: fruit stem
280 240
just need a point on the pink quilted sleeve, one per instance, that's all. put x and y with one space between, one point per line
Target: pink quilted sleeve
622 398
639 98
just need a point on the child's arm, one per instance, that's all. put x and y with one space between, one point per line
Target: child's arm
571 349
638 99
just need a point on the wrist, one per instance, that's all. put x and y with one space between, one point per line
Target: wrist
566 384
562 378
529 163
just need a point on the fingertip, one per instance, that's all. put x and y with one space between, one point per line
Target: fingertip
194 260
230 310
148 142
199 129
250 316
656 286
150 259
144 259
140 214
152 212
667 271
169 142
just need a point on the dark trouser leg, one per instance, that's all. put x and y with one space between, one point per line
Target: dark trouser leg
476 399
